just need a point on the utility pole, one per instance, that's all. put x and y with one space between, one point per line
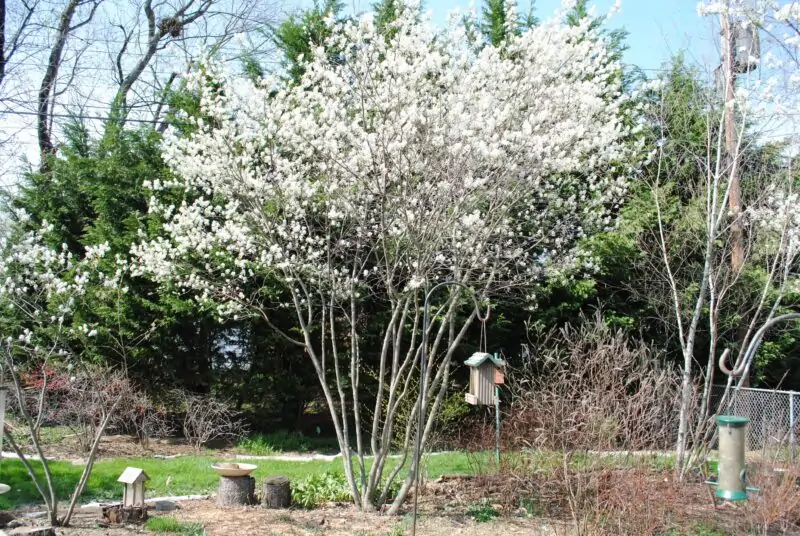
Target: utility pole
731 141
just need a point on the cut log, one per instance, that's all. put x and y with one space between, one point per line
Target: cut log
277 493
236 491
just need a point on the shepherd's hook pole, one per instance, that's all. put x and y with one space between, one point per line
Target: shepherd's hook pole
497 424
422 381
752 347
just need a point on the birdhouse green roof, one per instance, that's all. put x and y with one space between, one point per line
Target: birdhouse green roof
478 358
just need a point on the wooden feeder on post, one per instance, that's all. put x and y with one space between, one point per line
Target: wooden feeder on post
485 373
134 479
485 378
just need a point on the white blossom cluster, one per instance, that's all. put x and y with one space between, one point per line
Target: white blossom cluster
39 286
404 160
778 217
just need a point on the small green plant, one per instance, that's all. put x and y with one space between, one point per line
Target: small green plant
699 529
320 488
482 512
397 530
707 529
170 525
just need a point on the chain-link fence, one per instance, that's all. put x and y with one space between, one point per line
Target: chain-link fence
773 417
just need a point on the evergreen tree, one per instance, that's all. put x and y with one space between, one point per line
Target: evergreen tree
494 25
301 33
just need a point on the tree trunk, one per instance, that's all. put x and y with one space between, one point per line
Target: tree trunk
236 491
683 420
277 493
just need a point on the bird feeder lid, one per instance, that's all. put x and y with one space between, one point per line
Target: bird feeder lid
478 358
131 475
732 421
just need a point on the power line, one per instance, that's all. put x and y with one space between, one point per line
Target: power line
77 116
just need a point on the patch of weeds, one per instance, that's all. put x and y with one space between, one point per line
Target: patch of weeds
706 529
397 530
48 435
320 488
170 525
700 529
256 445
482 512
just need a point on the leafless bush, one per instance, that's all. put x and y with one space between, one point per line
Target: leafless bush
583 394
82 398
593 388
144 417
207 418
93 397
775 507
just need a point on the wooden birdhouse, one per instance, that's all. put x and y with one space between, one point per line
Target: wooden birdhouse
746 47
485 372
134 479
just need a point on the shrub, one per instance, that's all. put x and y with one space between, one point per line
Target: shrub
593 388
207 419
284 441
320 488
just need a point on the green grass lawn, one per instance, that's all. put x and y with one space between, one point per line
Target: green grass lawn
192 475
187 475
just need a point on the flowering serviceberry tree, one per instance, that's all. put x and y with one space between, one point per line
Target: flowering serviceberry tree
409 160
40 288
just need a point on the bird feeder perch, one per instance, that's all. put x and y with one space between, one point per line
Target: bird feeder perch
134 479
485 373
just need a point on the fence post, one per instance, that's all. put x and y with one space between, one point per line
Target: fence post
791 427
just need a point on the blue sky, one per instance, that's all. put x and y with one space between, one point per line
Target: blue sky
658 28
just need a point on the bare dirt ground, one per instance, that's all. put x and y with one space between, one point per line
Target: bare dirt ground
443 512
339 521
329 521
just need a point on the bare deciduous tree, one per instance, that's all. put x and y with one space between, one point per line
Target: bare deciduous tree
689 253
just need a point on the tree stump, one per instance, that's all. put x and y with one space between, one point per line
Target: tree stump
236 491
276 493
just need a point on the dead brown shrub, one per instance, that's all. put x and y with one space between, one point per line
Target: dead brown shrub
775 507
583 410
592 388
